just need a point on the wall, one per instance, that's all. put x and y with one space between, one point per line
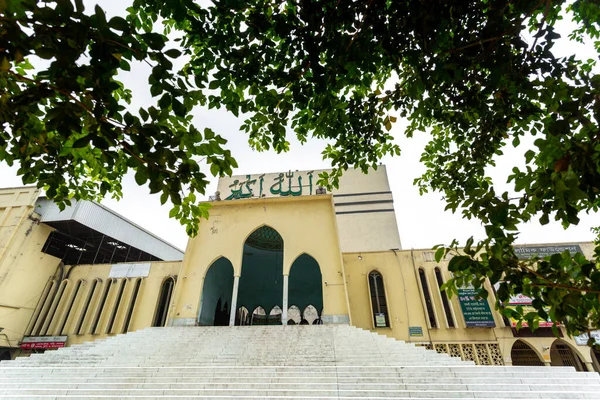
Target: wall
307 225
363 203
406 307
24 269
76 307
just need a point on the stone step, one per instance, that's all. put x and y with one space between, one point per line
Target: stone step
308 362
301 393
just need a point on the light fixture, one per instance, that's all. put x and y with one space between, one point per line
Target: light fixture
359 256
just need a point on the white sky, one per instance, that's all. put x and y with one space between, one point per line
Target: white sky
422 221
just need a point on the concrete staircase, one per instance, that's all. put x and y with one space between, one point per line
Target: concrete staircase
275 362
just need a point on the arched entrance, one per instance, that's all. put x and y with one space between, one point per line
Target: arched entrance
305 288
562 355
216 294
522 354
261 280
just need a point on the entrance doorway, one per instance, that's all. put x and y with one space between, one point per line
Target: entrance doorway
261 280
216 294
306 290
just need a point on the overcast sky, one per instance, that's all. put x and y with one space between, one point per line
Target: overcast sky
422 221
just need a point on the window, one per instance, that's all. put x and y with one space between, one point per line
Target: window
42 308
427 296
86 307
164 299
378 303
444 296
113 316
52 311
70 307
136 290
101 307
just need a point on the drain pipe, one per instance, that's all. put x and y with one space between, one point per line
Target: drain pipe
412 257
404 286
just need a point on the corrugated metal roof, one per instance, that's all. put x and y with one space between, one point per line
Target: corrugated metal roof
106 221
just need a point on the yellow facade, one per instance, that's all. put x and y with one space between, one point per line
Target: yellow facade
24 269
40 297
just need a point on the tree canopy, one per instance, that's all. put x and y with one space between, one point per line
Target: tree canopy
339 70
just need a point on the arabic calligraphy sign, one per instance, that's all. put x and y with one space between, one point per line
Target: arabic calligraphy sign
269 185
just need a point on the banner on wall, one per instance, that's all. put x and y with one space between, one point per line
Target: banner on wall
526 252
43 342
476 311
582 339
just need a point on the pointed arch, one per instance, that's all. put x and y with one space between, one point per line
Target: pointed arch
563 354
522 353
379 303
264 231
162 304
73 299
132 303
84 312
305 284
294 315
445 301
259 316
261 277
429 308
217 291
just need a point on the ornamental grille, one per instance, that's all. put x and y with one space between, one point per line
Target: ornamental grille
265 238
522 354
454 350
441 348
480 353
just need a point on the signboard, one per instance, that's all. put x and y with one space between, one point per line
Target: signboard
380 320
582 339
524 324
129 270
291 183
415 331
43 342
477 312
523 252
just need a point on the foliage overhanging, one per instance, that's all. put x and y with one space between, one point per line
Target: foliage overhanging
329 69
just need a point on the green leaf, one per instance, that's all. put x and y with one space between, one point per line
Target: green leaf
173 53
140 176
119 24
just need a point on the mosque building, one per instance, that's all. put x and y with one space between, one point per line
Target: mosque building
277 249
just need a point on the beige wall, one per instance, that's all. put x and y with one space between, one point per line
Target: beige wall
75 308
307 225
406 305
363 203
24 269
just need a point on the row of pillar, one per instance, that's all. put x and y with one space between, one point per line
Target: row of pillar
234 296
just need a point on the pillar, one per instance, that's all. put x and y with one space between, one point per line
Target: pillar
284 313
234 295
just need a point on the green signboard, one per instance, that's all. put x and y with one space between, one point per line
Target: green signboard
415 331
476 311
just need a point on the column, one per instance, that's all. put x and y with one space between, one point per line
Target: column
234 295
284 314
